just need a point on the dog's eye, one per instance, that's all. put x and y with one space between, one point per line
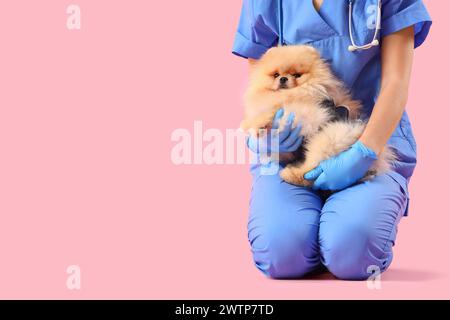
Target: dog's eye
276 75
297 75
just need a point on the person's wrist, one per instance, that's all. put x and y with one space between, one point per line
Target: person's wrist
365 150
371 144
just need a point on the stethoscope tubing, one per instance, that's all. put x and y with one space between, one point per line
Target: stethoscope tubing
354 47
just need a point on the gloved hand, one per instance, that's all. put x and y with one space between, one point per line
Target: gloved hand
289 138
343 170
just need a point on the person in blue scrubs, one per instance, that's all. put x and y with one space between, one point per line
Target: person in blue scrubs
294 230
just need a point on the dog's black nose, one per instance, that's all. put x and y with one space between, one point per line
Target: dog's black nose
283 80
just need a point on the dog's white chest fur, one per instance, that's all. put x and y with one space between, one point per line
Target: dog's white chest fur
310 117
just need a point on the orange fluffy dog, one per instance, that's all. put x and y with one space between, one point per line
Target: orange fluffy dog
297 79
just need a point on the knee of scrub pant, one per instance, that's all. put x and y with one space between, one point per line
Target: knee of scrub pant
358 227
283 228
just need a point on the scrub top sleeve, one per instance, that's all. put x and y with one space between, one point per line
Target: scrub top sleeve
400 14
253 37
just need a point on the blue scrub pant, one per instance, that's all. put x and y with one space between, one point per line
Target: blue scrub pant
293 231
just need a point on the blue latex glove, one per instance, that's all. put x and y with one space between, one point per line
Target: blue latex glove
343 170
289 138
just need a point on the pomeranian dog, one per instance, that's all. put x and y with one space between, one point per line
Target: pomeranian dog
296 79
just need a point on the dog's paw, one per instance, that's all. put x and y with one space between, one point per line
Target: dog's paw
293 176
289 175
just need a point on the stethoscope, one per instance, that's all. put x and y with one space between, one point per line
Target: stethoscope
353 47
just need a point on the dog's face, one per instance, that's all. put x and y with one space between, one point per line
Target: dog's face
290 67
294 78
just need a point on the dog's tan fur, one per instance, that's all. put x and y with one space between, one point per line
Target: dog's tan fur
303 95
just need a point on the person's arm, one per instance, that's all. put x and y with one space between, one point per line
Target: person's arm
397 53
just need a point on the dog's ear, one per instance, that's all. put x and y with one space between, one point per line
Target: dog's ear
342 113
328 104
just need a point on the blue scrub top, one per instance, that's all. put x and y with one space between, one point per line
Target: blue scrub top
265 23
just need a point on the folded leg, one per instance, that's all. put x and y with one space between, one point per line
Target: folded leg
283 227
358 227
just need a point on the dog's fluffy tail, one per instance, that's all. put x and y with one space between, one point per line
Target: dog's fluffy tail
384 162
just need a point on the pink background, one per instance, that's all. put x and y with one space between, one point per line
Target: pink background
85 170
